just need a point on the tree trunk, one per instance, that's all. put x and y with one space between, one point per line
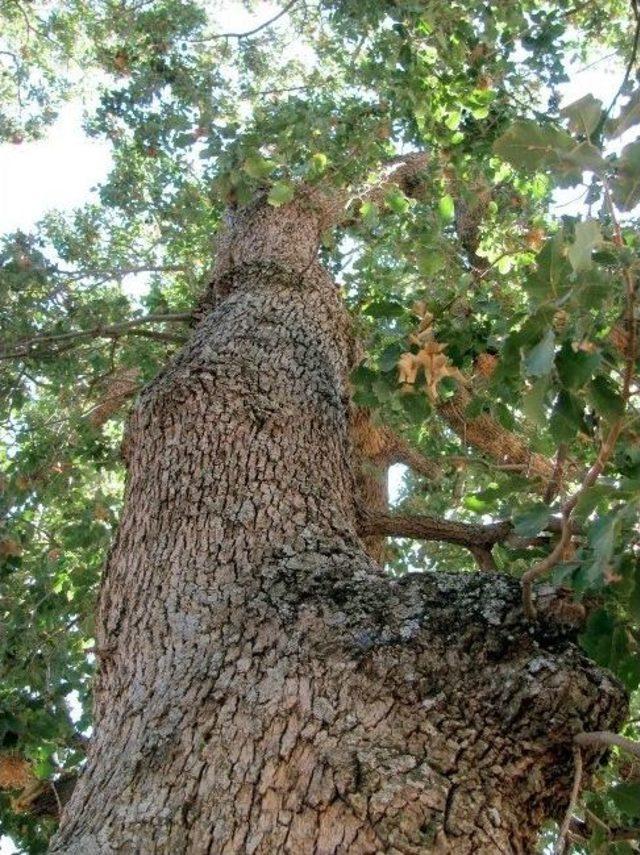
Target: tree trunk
262 686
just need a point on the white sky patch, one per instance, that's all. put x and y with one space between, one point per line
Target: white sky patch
58 171
396 476
600 77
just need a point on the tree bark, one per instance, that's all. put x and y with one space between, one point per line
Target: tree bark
262 686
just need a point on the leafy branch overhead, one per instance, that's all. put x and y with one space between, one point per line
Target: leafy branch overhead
494 319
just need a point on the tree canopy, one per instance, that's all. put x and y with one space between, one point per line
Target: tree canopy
499 335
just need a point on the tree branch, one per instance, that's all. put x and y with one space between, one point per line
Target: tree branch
484 558
423 527
573 800
401 452
605 739
628 69
383 447
25 347
252 32
117 272
583 830
488 436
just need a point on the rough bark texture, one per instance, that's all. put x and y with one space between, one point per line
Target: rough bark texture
263 687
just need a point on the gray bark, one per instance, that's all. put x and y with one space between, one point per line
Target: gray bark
262 686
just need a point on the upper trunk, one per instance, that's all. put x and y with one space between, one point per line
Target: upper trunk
262 686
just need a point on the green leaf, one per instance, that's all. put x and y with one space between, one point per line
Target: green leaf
591 499
587 237
389 357
606 639
416 405
319 163
281 193
453 120
626 797
363 376
539 361
583 157
575 368
476 504
566 418
363 379
369 214
550 279
258 167
584 115
625 186
596 638
593 287
629 116
602 535
385 309
528 145
605 397
530 522
534 402
397 201
446 208
429 260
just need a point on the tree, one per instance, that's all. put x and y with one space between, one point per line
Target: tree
388 286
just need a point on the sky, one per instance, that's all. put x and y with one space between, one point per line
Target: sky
60 171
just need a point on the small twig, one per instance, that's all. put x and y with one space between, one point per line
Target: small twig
628 70
605 739
284 89
252 32
573 800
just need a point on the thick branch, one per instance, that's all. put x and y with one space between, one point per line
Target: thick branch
380 445
604 739
401 452
46 798
484 558
402 171
424 527
488 436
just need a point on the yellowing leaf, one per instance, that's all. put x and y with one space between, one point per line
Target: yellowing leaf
281 193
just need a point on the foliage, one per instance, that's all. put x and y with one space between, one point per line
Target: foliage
536 311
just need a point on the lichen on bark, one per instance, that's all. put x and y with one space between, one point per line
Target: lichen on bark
263 687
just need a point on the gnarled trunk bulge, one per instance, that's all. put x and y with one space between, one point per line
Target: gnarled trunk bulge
262 686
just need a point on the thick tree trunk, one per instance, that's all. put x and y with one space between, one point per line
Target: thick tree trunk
262 686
